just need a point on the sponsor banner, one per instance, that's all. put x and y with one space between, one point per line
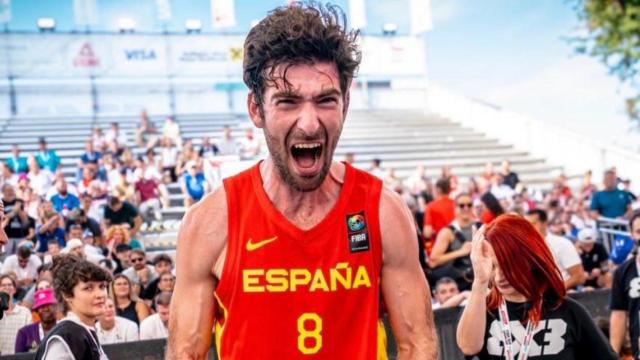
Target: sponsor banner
81 55
393 56
207 55
138 55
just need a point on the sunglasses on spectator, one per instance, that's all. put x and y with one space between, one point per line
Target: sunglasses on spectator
137 260
465 205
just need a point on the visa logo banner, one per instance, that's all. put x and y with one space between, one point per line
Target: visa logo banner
140 55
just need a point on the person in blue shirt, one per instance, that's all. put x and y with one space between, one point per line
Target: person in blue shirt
64 199
16 162
47 159
610 202
194 185
90 156
52 227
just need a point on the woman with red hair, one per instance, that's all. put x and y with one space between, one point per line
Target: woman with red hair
518 307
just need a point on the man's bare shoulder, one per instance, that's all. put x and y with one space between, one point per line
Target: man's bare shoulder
397 227
204 226
393 210
208 214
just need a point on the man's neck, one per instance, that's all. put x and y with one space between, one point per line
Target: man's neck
304 209
464 222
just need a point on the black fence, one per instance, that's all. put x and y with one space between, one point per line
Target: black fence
446 320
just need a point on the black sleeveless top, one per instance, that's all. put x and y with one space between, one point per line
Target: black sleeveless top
129 312
82 343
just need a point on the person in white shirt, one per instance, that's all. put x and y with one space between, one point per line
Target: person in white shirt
114 329
156 325
24 265
250 146
376 169
419 183
40 180
117 135
169 158
14 318
501 190
228 144
77 247
564 252
171 130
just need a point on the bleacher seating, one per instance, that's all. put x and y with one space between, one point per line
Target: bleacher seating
401 139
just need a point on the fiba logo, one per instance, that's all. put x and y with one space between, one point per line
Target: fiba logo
357 232
356 222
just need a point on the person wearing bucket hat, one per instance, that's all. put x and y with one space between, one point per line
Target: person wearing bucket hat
30 336
595 259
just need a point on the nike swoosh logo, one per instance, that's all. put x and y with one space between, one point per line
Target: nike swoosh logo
256 245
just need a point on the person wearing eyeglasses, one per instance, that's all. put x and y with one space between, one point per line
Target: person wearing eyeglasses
140 273
450 254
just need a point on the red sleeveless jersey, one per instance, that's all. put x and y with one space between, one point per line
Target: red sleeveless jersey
288 293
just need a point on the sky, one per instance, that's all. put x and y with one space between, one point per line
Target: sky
516 55
513 54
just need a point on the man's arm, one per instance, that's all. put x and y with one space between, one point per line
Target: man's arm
137 223
617 329
456 300
439 254
577 276
201 244
404 287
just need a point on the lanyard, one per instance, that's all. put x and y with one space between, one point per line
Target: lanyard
505 328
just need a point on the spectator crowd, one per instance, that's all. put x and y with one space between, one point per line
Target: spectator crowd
102 211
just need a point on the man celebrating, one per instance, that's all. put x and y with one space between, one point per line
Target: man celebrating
625 297
299 248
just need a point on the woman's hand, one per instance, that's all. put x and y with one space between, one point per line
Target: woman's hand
481 258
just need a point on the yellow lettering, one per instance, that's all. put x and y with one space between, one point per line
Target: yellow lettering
318 282
251 280
362 278
277 280
335 276
281 280
298 277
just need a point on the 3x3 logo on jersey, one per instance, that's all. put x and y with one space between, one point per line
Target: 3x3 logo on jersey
357 234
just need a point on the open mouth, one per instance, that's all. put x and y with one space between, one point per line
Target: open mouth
306 155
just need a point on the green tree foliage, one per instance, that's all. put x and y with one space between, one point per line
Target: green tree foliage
613 37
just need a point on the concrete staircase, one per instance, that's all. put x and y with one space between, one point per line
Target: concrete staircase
401 139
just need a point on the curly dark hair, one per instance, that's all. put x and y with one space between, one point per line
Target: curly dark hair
297 34
69 270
